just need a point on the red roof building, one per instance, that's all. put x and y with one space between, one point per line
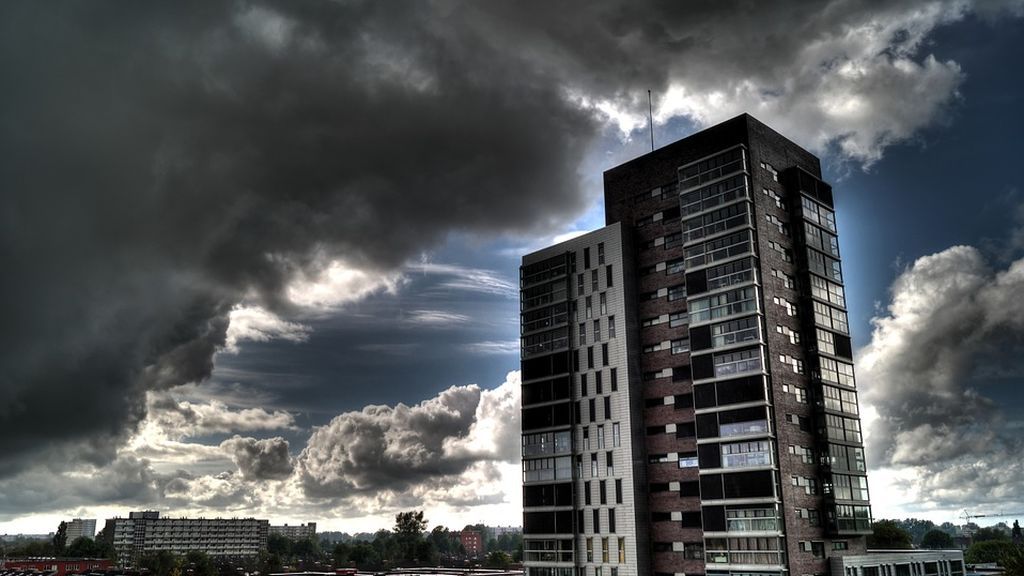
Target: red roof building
59 566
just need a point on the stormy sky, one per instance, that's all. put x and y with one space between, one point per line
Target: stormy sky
261 258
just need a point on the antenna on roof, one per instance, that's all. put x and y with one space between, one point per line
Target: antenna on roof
650 118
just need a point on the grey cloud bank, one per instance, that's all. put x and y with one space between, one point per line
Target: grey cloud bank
941 371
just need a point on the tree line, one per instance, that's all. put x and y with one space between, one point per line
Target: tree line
999 544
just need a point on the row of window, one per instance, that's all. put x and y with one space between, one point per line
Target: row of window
613 374
602 492
600 255
666 242
595 471
675 320
712 195
592 405
721 248
582 331
547 443
725 304
712 168
679 346
585 437
581 283
546 469
604 552
717 221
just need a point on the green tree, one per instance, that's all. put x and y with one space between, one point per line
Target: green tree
887 535
84 547
1013 561
280 545
498 559
409 527
425 552
989 533
268 563
200 564
340 554
365 556
60 539
441 538
161 563
936 539
988 551
410 524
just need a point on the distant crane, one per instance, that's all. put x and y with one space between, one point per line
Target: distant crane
967 516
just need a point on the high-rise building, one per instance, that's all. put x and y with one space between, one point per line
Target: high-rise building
147 532
79 528
689 404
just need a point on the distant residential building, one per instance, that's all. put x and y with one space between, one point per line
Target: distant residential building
298 532
502 530
78 527
899 563
56 566
146 532
472 541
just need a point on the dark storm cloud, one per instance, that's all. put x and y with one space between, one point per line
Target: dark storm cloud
944 360
160 164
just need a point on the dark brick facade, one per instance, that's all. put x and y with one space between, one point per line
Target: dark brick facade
631 198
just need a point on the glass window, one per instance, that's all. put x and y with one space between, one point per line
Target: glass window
616 439
712 168
720 220
677 292
836 371
713 195
746 454
731 273
818 214
824 265
600 438
600 253
677 319
830 317
614 376
618 490
737 362
828 291
719 249
597 330
604 303
735 332
822 240
622 550
733 302
680 346
611 326
608 276
583 334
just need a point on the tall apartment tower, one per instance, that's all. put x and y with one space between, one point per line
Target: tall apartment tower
689 404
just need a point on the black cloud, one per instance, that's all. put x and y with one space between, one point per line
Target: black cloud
159 164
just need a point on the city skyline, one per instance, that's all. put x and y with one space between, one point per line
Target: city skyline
329 247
